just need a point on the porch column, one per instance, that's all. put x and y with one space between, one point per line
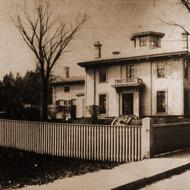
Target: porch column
118 102
118 96
136 103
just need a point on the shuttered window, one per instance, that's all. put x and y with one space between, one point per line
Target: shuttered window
161 102
102 104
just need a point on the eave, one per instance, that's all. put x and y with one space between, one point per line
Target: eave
134 59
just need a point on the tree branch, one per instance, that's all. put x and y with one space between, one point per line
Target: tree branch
46 38
186 3
175 24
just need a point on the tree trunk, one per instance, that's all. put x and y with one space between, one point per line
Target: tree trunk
44 105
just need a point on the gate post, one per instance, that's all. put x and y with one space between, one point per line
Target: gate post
147 138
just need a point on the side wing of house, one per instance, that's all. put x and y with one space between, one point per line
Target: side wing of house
68 99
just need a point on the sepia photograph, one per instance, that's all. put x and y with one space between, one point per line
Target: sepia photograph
95 94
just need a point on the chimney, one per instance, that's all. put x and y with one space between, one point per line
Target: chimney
98 47
185 38
66 72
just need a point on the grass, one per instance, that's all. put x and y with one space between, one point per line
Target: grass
20 168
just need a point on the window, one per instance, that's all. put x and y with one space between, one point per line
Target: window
130 71
67 102
59 105
186 71
59 102
142 41
161 70
102 104
73 102
102 75
161 101
154 41
66 88
186 102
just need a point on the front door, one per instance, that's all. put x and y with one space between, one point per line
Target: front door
127 104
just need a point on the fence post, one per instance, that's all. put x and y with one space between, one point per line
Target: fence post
147 138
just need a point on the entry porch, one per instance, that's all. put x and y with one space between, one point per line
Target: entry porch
129 92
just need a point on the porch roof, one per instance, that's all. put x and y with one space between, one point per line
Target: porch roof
123 83
128 85
142 58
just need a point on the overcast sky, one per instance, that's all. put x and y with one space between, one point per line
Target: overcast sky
110 21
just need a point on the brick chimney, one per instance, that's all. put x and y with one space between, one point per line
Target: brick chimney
66 72
98 47
185 39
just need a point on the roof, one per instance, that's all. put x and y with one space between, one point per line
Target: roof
70 80
134 35
133 59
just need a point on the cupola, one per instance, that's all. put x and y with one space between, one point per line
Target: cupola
147 39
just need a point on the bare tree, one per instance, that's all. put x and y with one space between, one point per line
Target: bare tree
186 3
186 33
176 24
47 37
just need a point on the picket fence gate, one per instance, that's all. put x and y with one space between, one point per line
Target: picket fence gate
84 141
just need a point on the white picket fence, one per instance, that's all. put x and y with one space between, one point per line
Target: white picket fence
93 142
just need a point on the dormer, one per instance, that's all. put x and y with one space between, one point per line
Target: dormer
149 39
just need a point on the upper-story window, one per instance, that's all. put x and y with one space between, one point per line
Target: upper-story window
155 41
66 88
130 71
161 70
142 40
102 75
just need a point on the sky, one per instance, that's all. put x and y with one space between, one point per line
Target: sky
110 21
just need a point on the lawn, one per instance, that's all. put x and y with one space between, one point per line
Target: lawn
20 168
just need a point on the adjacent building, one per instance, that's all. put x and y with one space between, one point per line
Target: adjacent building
68 97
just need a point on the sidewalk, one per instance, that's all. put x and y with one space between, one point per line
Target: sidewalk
123 176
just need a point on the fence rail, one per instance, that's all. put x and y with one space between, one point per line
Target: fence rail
94 142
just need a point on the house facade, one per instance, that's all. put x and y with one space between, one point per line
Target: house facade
68 98
148 85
